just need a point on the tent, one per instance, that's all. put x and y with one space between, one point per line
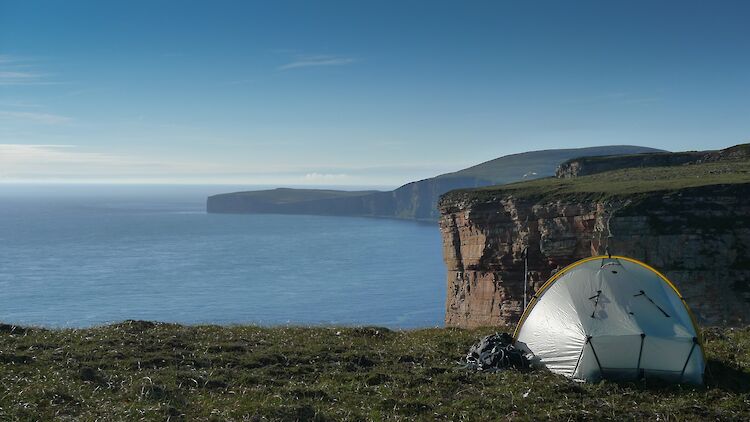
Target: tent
612 317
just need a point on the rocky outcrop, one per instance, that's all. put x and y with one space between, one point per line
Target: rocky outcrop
698 237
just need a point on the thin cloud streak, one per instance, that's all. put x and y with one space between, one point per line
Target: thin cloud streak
7 59
324 177
316 61
17 75
61 162
43 118
19 104
21 146
29 83
613 98
13 72
20 78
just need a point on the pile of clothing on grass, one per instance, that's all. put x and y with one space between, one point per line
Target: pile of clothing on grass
494 353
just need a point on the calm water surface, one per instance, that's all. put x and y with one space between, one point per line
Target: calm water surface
94 257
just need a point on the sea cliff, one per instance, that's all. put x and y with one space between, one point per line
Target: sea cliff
690 221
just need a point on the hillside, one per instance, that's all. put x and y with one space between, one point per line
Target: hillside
583 166
649 173
139 370
536 164
416 200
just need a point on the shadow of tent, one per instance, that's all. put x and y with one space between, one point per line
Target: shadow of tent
718 376
725 377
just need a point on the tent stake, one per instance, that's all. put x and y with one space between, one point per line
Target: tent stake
525 273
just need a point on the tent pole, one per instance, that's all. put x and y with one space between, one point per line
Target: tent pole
601 371
695 341
580 355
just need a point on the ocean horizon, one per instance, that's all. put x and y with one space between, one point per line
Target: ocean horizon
76 256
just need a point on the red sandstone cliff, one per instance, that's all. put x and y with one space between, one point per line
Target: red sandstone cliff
697 236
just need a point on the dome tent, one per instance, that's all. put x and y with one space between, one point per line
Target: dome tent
612 317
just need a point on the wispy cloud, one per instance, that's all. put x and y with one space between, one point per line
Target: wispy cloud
17 75
44 118
317 60
19 104
236 82
614 98
325 177
17 147
30 161
21 71
24 154
50 162
21 78
5 59
63 162
641 100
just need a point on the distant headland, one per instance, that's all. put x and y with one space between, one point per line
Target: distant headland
416 200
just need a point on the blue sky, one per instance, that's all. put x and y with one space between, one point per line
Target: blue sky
356 92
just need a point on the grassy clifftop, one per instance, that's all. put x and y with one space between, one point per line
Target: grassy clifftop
147 371
288 195
626 182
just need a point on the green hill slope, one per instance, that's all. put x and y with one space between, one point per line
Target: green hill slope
712 168
536 164
415 200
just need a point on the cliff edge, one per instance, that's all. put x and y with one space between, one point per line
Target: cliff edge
690 221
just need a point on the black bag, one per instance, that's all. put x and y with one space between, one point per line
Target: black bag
496 352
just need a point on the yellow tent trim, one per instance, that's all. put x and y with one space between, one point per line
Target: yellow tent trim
560 273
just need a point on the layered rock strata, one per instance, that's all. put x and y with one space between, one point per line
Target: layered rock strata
698 237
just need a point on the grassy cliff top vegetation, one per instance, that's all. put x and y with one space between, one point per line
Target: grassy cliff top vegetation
617 183
535 164
145 371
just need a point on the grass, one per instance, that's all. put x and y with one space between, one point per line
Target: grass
145 371
514 167
628 183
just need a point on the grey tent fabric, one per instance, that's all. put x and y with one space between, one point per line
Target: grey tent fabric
612 317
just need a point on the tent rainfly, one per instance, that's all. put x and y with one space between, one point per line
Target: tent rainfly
615 318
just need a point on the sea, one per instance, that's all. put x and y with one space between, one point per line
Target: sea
78 256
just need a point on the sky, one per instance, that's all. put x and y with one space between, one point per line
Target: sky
356 92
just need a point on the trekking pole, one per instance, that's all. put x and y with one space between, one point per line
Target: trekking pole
525 254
